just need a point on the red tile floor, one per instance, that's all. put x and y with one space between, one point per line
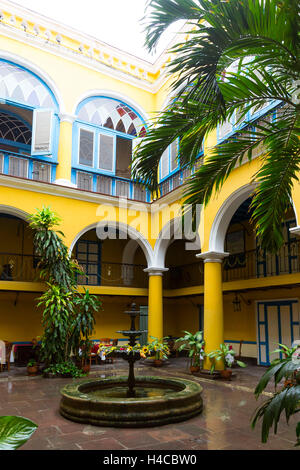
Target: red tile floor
223 424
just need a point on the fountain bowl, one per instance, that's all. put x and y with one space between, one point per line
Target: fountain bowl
158 401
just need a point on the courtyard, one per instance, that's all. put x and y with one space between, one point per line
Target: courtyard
224 423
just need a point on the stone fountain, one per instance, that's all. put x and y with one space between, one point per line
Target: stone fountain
131 401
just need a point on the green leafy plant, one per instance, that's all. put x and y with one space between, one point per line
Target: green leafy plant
194 343
239 56
67 368
159 348
224 355
32 363
15 431
286 400
285 351
68 315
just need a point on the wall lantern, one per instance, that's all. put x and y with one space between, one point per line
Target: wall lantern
237 302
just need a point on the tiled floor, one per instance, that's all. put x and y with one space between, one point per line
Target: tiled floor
224 423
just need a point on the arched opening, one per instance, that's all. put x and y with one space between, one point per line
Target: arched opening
28 124
17 258
260 289
113 255
103 142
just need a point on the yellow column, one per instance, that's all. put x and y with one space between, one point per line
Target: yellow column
155 303
63 170
213 303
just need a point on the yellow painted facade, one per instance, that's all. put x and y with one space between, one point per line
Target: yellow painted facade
177 286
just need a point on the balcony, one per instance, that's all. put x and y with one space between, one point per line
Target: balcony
24 166
110 185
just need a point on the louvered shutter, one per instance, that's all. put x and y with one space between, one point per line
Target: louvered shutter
18 167
106 152
41 172
104 184
164 163
84 181
42 132
86 147
225 129
174 155
139 194
122 189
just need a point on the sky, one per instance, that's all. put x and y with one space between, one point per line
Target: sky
116 22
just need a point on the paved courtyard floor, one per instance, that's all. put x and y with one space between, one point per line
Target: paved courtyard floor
223 424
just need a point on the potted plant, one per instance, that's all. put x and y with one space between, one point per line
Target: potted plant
194 344
160 350
32 367
225 355
85 353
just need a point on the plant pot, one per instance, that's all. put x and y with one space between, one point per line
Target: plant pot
194 369
32 370
86 368
226 374
157 362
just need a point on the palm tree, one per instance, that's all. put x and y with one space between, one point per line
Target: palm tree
240 55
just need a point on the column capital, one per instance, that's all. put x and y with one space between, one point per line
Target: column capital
154 271
212 256
64 117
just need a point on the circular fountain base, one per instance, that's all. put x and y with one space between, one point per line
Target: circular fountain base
158 401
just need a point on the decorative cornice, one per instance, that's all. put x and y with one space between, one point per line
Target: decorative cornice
212 256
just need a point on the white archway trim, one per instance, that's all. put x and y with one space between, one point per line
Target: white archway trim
166 237
18 60
10 210
115 95
132 233
224 216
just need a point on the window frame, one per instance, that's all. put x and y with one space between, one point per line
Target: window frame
170 173
97 131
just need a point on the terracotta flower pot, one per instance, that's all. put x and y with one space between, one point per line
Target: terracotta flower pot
194 369
226 374
86 368
157 362
32 370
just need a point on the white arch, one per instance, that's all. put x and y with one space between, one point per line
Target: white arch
132 233
224 216
10 210
166 237
115 95
18 60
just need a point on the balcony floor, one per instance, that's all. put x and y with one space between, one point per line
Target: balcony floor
224 423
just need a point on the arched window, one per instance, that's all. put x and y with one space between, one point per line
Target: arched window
104 137
13 130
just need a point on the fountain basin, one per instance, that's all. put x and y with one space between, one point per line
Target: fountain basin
158 401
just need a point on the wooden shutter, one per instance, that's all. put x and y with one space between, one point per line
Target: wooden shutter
174 155
104 184
164 163
122 189
139 193
106 152
86 147
41 172
225 129
42 132
84 181
18 167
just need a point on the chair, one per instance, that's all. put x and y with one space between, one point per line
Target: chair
94 353
107 342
